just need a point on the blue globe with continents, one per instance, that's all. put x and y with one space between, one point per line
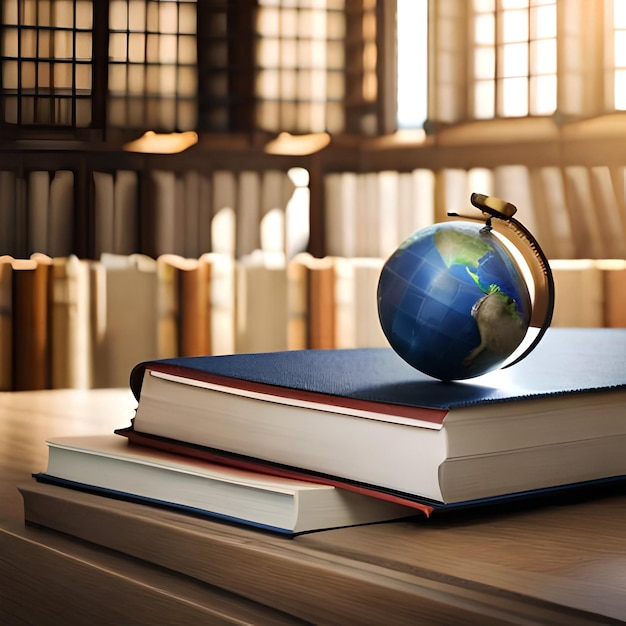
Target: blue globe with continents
453 299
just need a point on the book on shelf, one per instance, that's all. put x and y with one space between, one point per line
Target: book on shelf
108 465
31 331
356 314
167 234
221 301
186 194
224 223
167 305
8 218
195 307
614 291
115 212
38 200
71 345
248 213
262 322
341 213
126 335
573 277
61 214
317 279
6 322
185 283
297 305
585 227
609 210
367 420
126 223
104 211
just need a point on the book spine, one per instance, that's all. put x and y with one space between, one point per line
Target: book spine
31 336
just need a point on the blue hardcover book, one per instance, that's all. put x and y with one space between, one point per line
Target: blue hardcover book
366 419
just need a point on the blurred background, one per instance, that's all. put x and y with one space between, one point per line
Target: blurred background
181 177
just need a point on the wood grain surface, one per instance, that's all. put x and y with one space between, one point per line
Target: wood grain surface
554 564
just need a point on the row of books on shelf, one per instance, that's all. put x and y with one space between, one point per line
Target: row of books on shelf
573 211
308 440
67 322
156 212
73 323
365 214
70 322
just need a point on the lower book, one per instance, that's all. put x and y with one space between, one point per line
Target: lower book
561 493
106 465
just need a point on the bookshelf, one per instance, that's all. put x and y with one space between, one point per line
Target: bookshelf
242 75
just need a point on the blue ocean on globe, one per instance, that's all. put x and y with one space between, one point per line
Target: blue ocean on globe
452 301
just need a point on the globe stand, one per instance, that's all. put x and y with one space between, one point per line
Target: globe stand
536 262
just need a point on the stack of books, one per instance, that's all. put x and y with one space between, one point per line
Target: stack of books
305 440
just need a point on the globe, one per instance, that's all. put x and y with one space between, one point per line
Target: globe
453 301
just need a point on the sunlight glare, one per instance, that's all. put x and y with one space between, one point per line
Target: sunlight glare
412 25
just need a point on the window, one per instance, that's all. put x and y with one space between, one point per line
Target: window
515 54
617 87
495 58
47 62
316 66
224 67
152 79
412 60
54 63
307 65
300 60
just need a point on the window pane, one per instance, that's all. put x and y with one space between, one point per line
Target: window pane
117 47
619 14
484 29
84 15
187 50
83 78
136 15
43 76
620 90
514 4
117 78
412 29
543 56
515 26
514 97
515 60
484 98
63 10
83 46
543 96
484 63
484 5
118 15
9 75
619 52
136 47
9 43
543 22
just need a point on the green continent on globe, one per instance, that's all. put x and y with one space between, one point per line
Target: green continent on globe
497 316
460 248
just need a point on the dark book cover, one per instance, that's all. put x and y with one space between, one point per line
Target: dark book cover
566 361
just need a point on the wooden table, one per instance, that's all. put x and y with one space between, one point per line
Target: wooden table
562 564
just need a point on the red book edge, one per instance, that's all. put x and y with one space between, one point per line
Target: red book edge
424 414
215 456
